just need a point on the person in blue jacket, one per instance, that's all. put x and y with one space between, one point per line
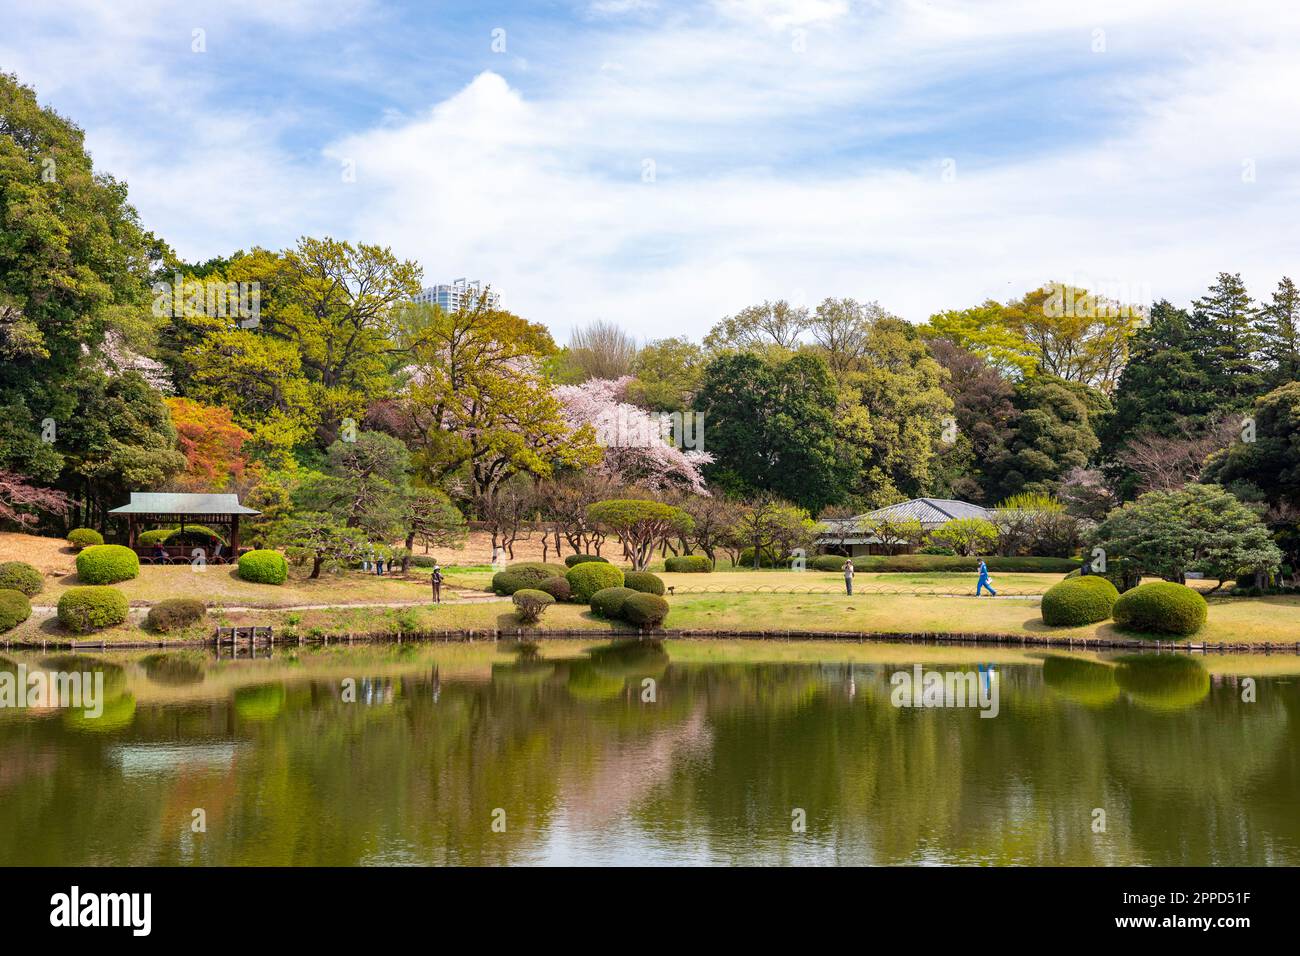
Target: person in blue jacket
984 580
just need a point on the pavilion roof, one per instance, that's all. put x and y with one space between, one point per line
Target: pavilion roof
179 504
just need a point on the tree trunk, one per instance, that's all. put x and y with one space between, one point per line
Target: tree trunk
315 566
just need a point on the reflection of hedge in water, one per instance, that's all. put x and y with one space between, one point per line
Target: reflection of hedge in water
523 673
114 675
172 670
1163 682
117 714
1086 682
259 703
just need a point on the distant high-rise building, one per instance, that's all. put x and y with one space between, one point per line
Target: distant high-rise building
458 293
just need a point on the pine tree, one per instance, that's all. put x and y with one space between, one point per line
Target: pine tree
1279 331
1227 318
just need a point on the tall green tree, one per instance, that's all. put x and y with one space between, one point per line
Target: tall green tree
1279 331
1054 433
1227 321
771 427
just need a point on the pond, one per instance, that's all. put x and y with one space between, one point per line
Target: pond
723 752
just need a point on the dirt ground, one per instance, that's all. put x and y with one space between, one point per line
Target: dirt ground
478 550
53 557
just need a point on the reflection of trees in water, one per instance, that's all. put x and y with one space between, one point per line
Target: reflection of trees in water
173 670
714 766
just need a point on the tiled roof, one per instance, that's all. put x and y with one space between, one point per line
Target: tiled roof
931 512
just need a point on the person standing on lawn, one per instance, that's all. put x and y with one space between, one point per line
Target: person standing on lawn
436 580
848 576
984 580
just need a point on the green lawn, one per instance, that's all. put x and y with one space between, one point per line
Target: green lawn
1233 620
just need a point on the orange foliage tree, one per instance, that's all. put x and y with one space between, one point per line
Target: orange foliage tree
211 443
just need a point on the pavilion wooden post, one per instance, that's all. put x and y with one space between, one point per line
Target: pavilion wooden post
234 536
130 531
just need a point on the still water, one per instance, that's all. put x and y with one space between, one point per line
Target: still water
682 753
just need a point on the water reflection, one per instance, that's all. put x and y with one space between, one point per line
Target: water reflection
616 753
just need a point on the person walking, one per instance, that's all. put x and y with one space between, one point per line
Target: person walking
848 576
984 580
436 580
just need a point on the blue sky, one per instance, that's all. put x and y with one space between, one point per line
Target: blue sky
664 164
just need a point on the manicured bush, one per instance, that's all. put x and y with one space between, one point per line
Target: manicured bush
174 613
20 576
689 564
937 549
84 537
14 608
1078 601
608 602
263 567
938 562
830 562
83 609
557 588
147 539
530 603
588 578
1161 607
643 581
107 564
524 576
645 610
576 559
767 560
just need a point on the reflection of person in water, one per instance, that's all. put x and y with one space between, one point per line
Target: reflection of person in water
984 580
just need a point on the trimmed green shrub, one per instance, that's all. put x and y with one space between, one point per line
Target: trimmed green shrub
524 576
263 567
107 564
530 603
767 560
1161 607
937 549
21 576
83 609
830 562
174 613
84 537
576 559
557 588
591 576
200 536
147 539
941 562
643 581
1077 601
645 610
689 564
608 602
14 608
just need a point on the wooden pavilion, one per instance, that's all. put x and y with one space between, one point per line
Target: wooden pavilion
167 508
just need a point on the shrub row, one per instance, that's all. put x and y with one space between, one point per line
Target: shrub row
20 576
688 564
942 562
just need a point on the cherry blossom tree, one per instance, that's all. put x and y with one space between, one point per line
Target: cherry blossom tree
638 447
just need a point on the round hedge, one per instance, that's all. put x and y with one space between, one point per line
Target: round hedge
592 576
689 564
20 576
1078 601
84 537
530 603
173 613
84 609
263 567
643 581
14 608
575 559
557 588
645 610
524 576
608 602
1161 607
107 564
